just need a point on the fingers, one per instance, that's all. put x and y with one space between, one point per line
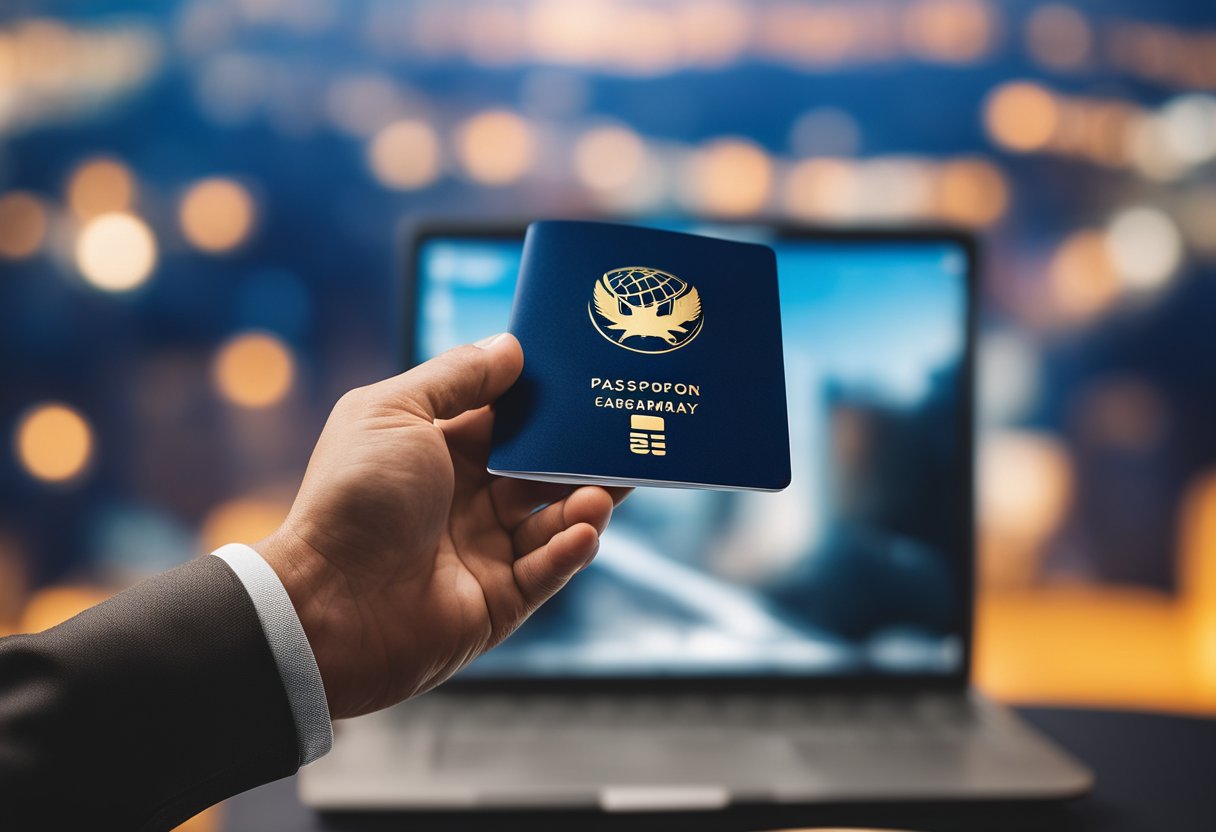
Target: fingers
590 505
618 494
543 571
468 435
515 499
460 379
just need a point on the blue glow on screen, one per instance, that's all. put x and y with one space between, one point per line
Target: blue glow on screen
856 567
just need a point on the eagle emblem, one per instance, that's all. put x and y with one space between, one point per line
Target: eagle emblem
654 310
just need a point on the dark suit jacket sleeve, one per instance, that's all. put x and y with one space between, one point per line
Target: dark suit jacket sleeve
144 710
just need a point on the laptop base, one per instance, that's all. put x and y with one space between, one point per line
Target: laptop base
643 754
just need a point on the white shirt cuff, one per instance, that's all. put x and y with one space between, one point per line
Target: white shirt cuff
292 653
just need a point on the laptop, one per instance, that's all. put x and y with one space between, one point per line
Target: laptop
806 647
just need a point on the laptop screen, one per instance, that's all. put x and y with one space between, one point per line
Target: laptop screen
860 567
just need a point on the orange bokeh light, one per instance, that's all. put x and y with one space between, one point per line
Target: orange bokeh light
822 188
217 215
972 192
609 158
949 31
54 442
496 147
242 520
731 177
23 225
405 155
100 186
1082 277
56 604
254 370
14 582
1021 116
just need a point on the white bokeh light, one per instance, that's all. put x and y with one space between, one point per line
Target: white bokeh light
1145 247
116 252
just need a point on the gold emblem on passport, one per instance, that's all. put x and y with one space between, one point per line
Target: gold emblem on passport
646 310
646 435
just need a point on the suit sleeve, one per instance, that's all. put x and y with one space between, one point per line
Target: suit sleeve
144 710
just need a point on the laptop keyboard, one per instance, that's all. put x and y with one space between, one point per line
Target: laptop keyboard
842 717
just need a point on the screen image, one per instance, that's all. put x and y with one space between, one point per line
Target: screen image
860 567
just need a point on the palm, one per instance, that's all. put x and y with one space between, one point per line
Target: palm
437 560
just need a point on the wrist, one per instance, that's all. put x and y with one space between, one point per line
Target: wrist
289 647
306 576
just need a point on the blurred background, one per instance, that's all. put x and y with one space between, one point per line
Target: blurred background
201 220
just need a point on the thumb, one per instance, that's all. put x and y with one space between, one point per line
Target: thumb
464 378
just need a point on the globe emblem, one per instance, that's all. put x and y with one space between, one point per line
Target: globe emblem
644 309
644 288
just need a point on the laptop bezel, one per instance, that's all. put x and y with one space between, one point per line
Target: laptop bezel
419 233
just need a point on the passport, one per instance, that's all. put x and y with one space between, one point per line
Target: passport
651 358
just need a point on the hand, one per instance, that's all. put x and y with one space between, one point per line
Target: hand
404 558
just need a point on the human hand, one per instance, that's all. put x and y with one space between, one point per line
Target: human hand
404 558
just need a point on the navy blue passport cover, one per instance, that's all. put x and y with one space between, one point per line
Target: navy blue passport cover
650 358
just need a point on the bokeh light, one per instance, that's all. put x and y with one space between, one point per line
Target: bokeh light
254 370
1059 37
1026 486
1124 413
822 189
1197 216
1021 116
1189 127
949 31
14 582
23 225
54 605
54 442
217 214
362 104
896 187
242 520
1150 152
1197 571
609 158
43 48
1082 277
405 155
496 147
493 34
825 131
1145 246
116 252
729 176
972 192
561 32
712 32
820 35
644 41
100 186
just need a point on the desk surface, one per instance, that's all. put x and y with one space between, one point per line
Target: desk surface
1153 772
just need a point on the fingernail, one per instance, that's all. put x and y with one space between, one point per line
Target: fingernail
486 342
